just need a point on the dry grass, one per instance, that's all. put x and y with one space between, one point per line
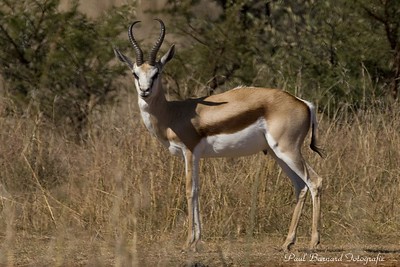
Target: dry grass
104 201
119 199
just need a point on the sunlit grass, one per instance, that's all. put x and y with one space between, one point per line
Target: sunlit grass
122 188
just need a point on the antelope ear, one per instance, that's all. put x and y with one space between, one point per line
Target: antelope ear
168 56
123 58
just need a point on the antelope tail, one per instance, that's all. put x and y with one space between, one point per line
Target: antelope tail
314 126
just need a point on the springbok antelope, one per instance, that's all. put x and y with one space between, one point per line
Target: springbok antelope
239 122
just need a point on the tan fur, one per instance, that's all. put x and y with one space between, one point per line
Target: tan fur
288 121
190 120
253 119
145 67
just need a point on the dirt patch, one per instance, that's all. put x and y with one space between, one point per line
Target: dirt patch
267 253
66 251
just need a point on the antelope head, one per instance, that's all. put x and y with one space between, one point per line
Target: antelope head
147 74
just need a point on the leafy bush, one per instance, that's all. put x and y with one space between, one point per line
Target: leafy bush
59 63
324 50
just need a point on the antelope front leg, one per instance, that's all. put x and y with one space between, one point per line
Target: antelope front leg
192 196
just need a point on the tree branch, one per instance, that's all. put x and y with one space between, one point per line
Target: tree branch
21 56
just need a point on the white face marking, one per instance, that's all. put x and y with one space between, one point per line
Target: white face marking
248 141
145 78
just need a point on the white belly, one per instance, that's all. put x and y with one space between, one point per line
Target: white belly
248 141
175 149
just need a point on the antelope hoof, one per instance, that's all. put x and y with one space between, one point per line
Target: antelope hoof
287 246
314 242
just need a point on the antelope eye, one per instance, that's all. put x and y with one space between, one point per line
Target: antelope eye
136 76
155 76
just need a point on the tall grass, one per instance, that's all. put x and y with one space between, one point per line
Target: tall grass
123 188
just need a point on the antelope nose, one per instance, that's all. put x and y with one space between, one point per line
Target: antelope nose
144 92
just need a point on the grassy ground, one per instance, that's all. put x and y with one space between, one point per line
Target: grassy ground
119 198
76 250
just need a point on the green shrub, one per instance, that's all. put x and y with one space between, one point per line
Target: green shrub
59 63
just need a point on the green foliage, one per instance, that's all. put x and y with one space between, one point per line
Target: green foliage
217 50
59 61
335 52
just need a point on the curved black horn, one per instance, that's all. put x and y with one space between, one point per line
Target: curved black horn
138 51
157 45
